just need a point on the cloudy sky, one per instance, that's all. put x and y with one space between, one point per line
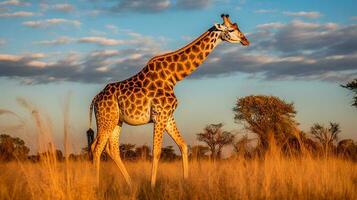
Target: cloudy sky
300 51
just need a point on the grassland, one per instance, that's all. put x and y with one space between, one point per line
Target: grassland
271 177
274 177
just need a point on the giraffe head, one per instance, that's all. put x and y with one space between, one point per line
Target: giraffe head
230 31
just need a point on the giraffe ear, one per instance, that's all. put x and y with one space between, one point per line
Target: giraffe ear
220 27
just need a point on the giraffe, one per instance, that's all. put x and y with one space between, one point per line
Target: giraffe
148 97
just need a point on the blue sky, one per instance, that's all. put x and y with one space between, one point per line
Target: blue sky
300 51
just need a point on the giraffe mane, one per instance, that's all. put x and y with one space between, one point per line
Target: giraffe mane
181 49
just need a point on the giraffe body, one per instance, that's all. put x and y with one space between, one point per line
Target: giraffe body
148 97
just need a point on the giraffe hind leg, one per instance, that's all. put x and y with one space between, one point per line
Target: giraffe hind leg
97 149
105 126
112 149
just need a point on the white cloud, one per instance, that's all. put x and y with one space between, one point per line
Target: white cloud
12 57
2 42
136 39
18 14
102 69
57 41
35 63
104 53
142 5
94 12
9 57
101 41
96 66
28 59
35 55
262 11
14 3
197 4
312 14
64 7
273 25
97 32
51 22
304 25
294 50
2 9
187 38
113 28
285 51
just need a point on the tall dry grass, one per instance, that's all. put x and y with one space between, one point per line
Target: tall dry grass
274 177
271 177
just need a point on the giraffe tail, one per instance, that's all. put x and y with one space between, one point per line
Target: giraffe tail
91 112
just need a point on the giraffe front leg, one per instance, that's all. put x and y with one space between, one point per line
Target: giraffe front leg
173 131
157 142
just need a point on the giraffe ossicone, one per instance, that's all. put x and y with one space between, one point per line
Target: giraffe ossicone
148 97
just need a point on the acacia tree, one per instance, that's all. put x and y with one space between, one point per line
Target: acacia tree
353 87
326 136
215 138
127 151
168 153
12 148
347 149
143 152
267 116
198 151
243 147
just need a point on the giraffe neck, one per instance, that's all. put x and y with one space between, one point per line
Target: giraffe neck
177 65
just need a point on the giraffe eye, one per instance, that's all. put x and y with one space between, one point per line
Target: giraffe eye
231 30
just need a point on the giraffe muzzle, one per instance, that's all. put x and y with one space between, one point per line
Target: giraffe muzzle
245 42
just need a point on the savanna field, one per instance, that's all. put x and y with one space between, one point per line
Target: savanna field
272 177
257 98
299 168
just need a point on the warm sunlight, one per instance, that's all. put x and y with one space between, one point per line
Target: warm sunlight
178 99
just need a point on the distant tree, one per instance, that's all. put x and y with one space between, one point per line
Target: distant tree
59 155
51 154
127 151
84 152
352 85
347 149
34 158
297 144
168 153
215 138
310 145
198 152
143 152
74 157
12 148
267 116
326 136
243 147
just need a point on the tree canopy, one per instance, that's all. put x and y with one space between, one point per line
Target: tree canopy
326 136
198 151
215 138
266 116
12 148
352 85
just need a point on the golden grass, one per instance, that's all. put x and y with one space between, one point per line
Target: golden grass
275 177
272 178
